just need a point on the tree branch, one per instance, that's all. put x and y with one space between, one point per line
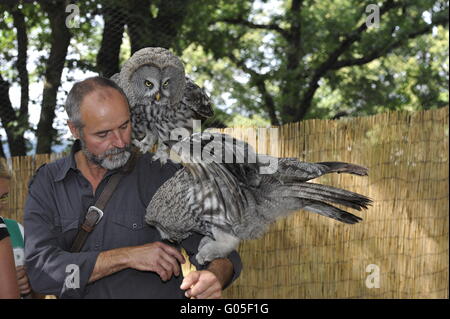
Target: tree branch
327 65
378 52
241 21
259 81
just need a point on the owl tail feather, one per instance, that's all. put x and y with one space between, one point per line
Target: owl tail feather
341 167
315 198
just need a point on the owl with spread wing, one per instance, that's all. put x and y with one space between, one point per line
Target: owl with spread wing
223 190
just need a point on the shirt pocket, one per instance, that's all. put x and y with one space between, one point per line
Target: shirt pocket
130 229
132 220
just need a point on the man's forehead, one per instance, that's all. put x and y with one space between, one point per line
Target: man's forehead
102 93
104 107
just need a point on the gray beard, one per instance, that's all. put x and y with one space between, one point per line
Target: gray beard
111 159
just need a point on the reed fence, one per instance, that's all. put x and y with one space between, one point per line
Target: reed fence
399 250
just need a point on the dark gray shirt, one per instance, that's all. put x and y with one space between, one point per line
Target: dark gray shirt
59 195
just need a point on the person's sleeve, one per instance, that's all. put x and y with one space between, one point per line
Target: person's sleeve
191 243
3 230
48 264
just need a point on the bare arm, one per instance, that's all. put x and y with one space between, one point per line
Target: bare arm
158 257
109 262
8 288
222 268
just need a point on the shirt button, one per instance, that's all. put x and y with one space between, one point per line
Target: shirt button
134 226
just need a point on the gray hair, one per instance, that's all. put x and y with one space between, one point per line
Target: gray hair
80 90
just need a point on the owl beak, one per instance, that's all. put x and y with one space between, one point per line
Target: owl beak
158 96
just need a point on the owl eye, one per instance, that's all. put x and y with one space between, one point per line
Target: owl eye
148 83
166 84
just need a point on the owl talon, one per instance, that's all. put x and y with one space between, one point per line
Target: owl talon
161 156
143 146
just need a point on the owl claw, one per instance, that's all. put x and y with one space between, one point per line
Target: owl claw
201 259
161 156
143 146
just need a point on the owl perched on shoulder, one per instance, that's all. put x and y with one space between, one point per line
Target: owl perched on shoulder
161 98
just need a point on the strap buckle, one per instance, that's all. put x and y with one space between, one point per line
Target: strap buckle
96 210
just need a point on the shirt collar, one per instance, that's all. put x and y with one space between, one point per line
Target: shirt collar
69 162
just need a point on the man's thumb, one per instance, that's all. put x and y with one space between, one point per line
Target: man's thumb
189 280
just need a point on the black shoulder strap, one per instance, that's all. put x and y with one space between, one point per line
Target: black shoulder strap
95 213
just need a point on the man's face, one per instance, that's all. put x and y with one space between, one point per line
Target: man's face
106 135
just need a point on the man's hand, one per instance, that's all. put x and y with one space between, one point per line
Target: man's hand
22 280
158 257
202 284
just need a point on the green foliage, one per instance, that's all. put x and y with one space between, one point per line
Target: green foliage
410 72
252 54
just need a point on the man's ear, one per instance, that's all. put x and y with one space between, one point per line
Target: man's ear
73 129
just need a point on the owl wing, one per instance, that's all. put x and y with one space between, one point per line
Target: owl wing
221 167
196 99
115 78
183 205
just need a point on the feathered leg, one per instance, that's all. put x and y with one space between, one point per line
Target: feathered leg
146 144
219 247
162 153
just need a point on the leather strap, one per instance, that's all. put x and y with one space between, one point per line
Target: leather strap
95 213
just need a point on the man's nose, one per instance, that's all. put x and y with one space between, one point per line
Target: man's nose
119 139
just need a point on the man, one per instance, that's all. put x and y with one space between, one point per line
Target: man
122 257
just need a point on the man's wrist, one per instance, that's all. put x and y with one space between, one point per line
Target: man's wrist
109 262
223 269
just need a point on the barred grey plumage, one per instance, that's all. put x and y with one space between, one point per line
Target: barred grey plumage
225 201
230 202
161 98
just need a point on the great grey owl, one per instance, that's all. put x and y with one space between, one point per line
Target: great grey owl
221 191
161 98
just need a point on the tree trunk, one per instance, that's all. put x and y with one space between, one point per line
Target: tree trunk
291 83
138 16
60 40
2 152
169 21
14 132
22 46
160 31
108 55
15 123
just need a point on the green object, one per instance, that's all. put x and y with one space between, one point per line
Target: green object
15 233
